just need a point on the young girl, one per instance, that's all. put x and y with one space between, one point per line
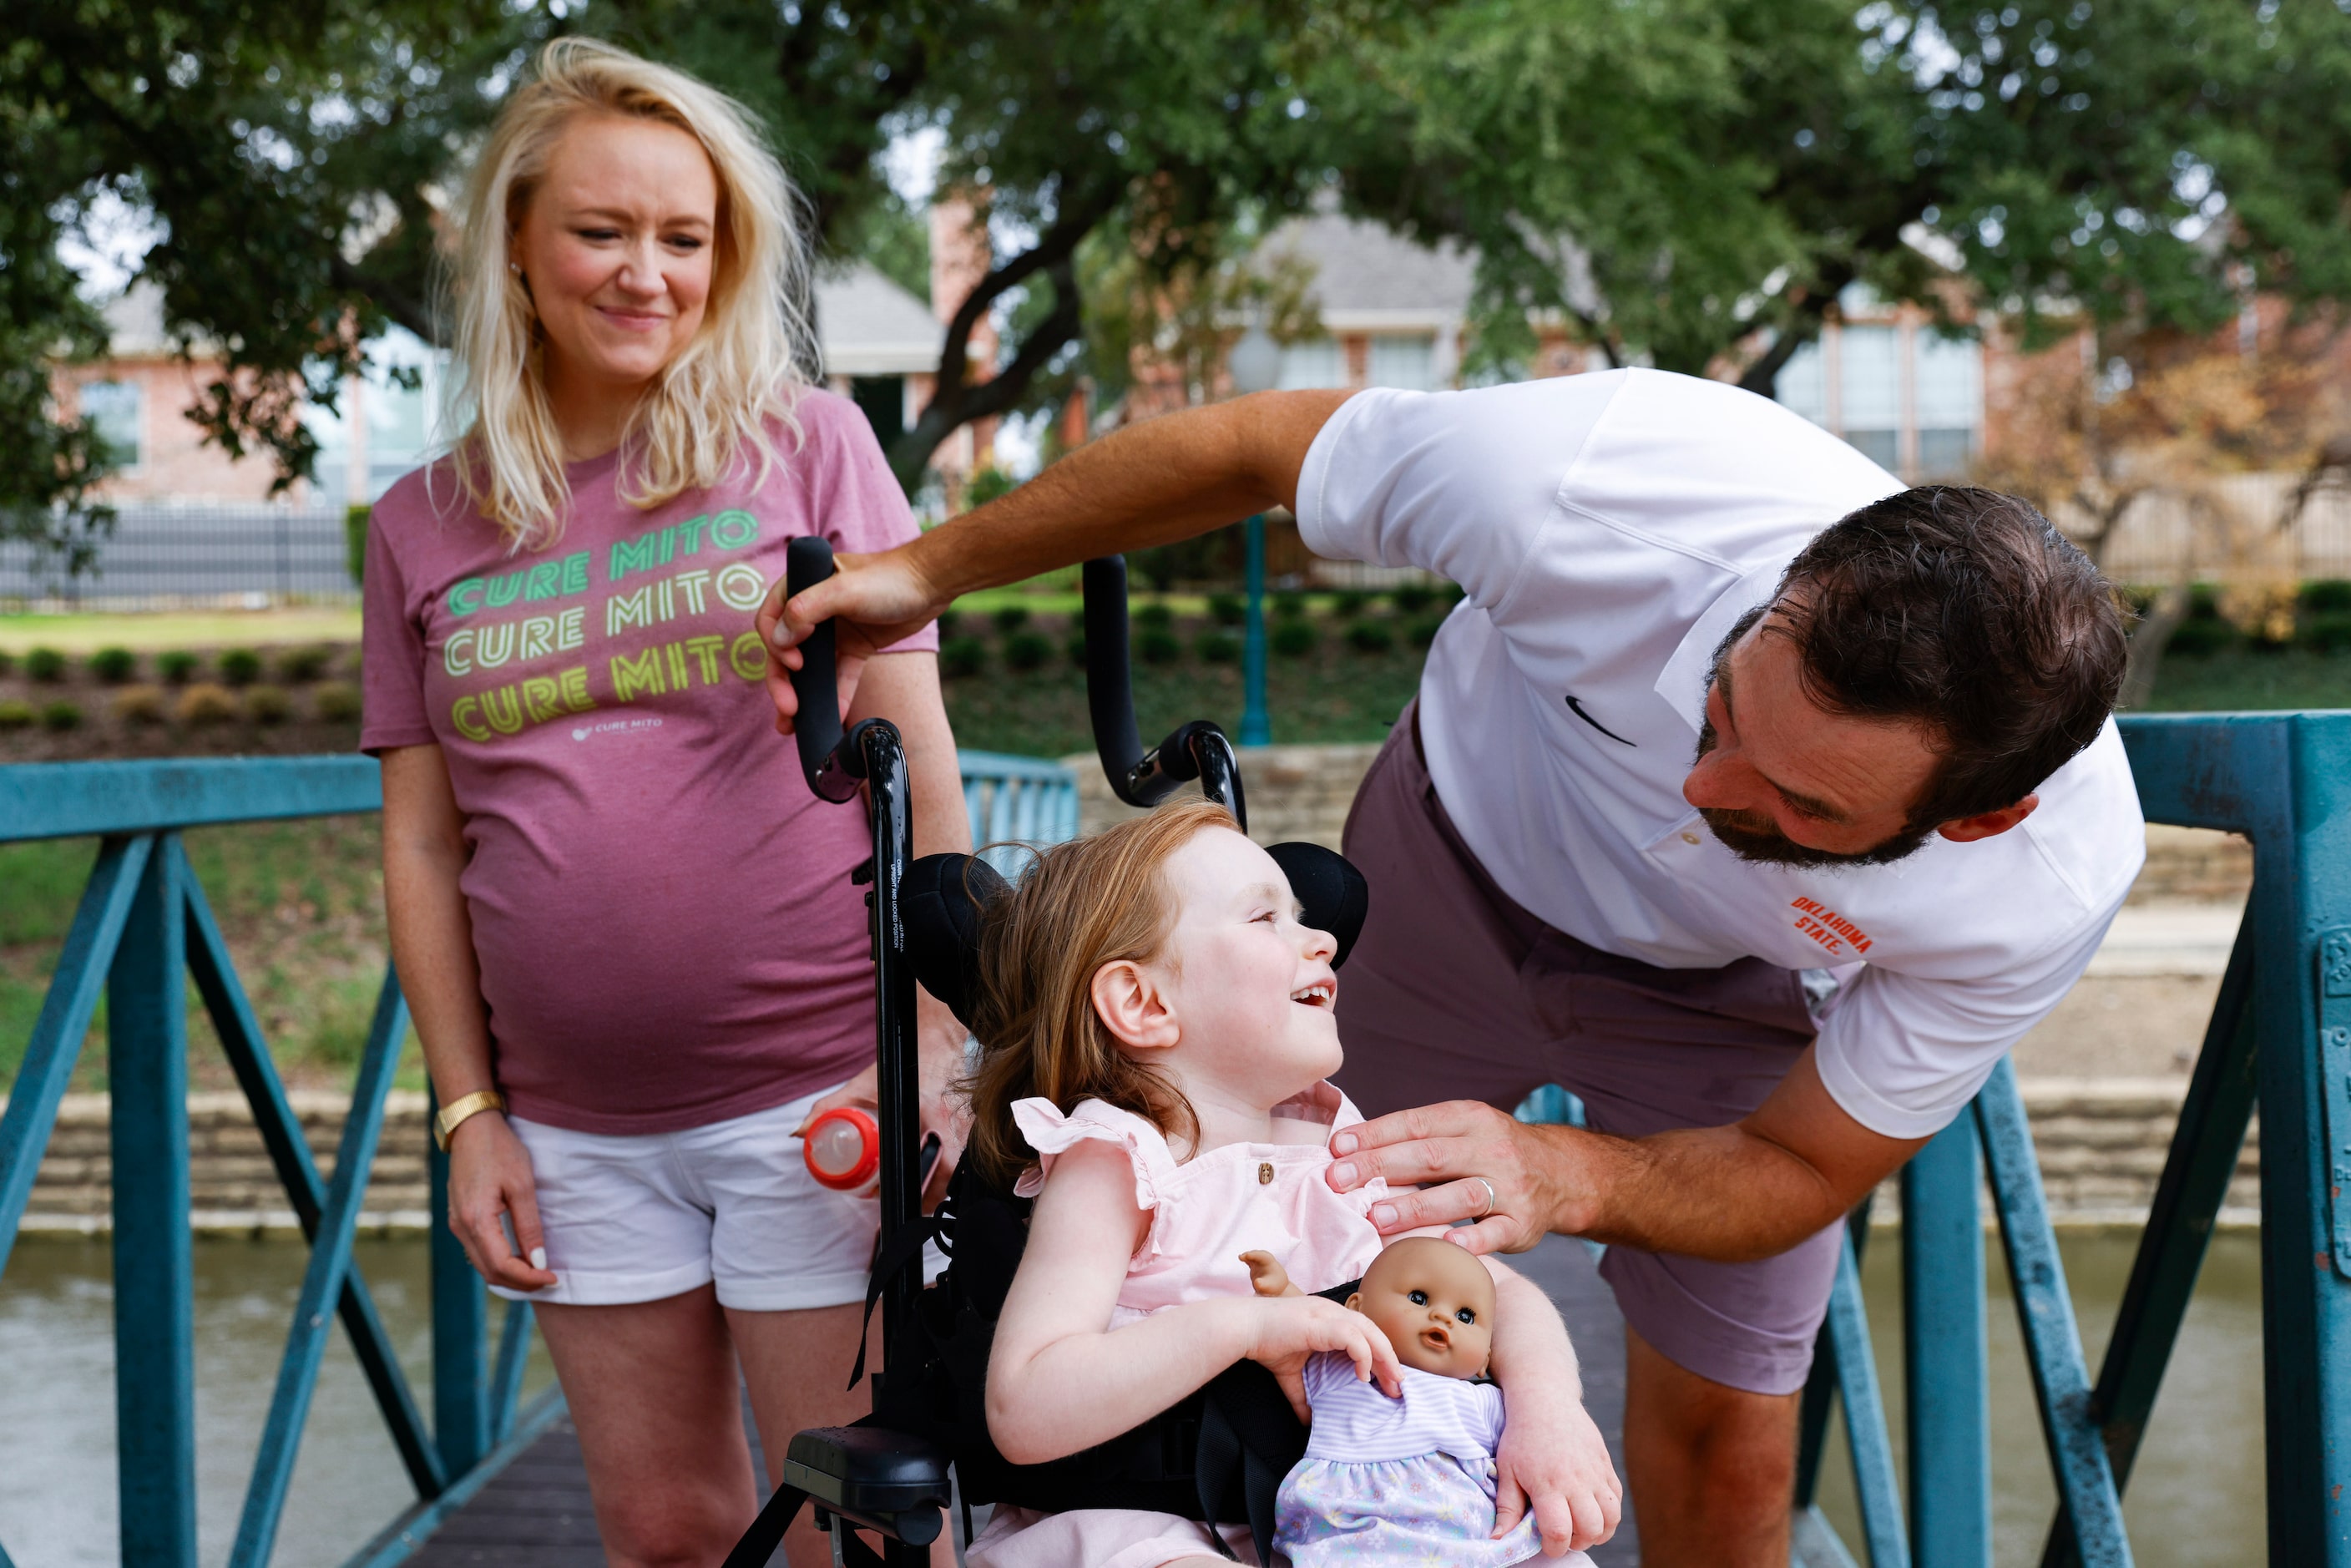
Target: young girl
1156 1031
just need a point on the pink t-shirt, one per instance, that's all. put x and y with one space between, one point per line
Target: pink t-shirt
663 914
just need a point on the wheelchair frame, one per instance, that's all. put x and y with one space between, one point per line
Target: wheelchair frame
867 1476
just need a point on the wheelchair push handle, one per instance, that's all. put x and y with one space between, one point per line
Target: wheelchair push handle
833 765
1196 749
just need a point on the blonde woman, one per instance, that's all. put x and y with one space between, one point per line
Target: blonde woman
625 928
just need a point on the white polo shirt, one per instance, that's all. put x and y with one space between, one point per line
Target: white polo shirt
1608 529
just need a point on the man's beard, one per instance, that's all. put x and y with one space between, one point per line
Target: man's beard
1753 838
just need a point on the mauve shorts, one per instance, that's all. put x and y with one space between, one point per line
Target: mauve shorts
1455 992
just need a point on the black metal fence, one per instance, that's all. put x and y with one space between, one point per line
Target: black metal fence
161 555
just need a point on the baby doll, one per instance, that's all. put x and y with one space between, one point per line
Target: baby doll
1409 1480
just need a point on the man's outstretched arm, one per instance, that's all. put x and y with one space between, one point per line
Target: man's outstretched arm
1748 1190
1165 479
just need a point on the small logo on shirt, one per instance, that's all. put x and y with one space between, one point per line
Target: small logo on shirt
584 731
1576 708
1826 926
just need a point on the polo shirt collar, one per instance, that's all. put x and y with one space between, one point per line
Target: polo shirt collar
1683 682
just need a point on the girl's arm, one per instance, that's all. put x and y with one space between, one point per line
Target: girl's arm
1058 1380
1552 1456
424 852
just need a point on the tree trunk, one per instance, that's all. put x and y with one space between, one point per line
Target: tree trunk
2163 617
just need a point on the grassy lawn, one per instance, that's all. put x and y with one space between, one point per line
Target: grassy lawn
302 906
2248 680
180 629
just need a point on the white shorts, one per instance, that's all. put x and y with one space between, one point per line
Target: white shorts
642 1217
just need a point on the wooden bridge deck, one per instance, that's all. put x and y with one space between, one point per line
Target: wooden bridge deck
535 1515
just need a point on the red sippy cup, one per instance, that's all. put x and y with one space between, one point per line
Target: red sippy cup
843 1149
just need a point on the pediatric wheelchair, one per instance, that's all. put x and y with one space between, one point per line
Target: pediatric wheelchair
1216 1456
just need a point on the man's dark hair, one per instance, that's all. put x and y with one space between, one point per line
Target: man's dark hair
1965 610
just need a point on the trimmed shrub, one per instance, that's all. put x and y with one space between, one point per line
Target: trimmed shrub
1009 619
45 666
985 485
1217 648
205 704
2198 637
177 666
139 705
300 666
336 701
1423 632
961 656
1154 617
2329 633
240 666
1370 637
1451 594
2327 596
114 665
1076 649
1290 607
61 716
15 714
1159 646
1026 650
1227 609
950 624
7 662
1412 598
1349 604
267 705
1294 639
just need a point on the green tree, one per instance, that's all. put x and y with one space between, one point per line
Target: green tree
1673 177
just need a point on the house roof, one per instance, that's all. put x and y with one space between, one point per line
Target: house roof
1370 278
870 325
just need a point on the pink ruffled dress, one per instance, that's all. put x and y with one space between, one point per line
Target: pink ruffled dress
1205 1212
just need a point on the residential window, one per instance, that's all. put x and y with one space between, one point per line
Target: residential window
1803 383
882 400
1949 389
1317 362
114 410
1869 367
1407 361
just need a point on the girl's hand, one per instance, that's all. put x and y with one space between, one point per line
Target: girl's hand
1286 1330
1554 1458
489 1176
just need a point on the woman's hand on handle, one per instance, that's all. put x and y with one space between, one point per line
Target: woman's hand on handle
490 1177
1539 1183
875 602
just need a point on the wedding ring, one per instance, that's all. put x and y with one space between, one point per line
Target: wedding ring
1482 1181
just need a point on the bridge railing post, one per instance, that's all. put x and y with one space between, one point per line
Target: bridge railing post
154 1261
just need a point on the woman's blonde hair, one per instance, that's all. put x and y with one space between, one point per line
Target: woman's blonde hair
1080 906
712 403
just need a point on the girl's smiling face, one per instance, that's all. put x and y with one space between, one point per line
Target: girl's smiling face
1241 997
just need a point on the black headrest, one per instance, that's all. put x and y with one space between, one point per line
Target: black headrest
1334 892
945 896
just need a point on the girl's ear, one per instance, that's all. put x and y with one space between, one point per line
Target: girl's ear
1355 1302
1132 1005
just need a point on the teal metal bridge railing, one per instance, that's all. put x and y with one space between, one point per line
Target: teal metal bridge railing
142 922
2279 1039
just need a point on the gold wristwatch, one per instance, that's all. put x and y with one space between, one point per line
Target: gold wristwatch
457 1109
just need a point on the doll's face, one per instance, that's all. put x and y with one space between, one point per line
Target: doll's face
1436 1303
